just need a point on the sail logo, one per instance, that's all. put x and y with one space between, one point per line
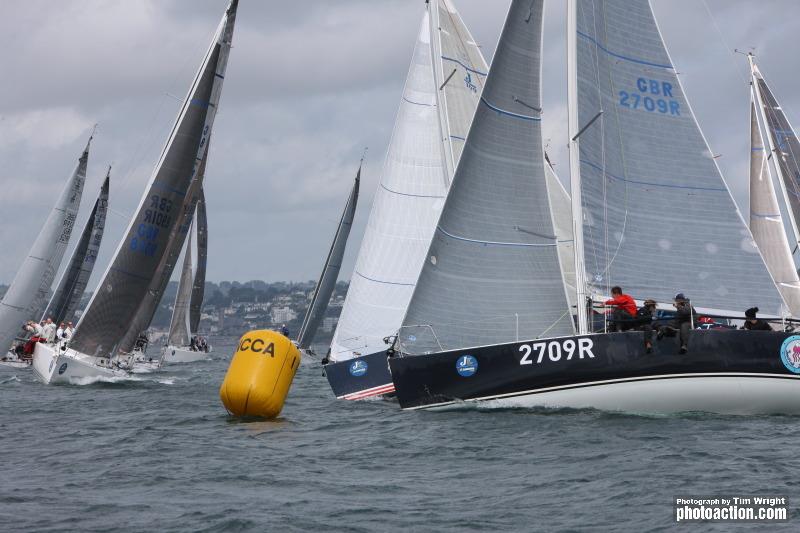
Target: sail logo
790 353
470 85
466 366
646 96
62 368
358 368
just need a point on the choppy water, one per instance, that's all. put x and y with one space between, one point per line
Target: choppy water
159 454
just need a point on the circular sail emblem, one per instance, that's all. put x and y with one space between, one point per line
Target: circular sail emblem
790 353
358 368
466 366
62 368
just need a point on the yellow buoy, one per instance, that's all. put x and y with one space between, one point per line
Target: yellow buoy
260 374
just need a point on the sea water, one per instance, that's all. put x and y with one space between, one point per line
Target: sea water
158 453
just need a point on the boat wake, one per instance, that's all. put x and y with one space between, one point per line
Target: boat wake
10 379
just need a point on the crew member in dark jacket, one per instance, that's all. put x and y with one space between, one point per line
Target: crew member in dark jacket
683 322
644 319
754 324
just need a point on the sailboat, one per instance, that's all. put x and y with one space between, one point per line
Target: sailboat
330 272
651 213
766 221
188 302
26 297
441 92
129 289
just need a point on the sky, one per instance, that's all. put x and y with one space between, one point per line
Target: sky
309 85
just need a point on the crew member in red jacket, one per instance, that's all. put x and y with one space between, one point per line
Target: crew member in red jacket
624 314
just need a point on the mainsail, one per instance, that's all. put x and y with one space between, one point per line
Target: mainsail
330 272
492 273
26 297
199 284
180 333
73 282
442 89
658 217
766 221
115 306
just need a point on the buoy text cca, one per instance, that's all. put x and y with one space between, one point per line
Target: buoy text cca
258 346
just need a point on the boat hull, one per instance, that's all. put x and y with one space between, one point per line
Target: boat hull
11 361
52 365
182 354
725 371
359 378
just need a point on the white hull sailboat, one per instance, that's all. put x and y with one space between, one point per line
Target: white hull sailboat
125 300
184 354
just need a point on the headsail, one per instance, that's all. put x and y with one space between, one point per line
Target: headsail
115 304
430 127
560 203
766 221
658 217
180 333
199 284
26 297
492 273
73 282
330 272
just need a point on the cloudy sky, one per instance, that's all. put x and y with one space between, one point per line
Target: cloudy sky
310 83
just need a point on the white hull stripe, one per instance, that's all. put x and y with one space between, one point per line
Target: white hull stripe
366 393
533 392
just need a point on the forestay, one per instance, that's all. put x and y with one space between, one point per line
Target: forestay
492 273
658 217
114 308
26 297
73 282
199 285
441 93
330 272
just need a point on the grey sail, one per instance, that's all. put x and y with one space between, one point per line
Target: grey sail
330 272
492 272
73 282
560 203
766 221
658 217
26 297
199 284
179 329
114 307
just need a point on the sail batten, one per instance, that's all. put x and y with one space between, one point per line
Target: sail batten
647 174
122 305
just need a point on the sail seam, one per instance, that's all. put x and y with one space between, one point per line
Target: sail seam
620 56
509 113
384 282
418 103
463 65
620 178
408 194
494 243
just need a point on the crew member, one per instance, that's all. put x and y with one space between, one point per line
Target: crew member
624 310
68 331
284 330
683 322
60 332
644 319
49 330
754 324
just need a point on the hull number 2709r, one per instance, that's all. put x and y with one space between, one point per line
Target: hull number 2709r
556 350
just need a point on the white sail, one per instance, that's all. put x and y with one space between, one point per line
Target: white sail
120 307
26 297
560 203
492 273
180 332
766 221
658 217
429 130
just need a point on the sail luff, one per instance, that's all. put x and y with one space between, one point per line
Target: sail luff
199 285
330 272
26 297
73 282
492 272
116 306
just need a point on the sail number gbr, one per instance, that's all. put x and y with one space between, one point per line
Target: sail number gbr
651 95
556 350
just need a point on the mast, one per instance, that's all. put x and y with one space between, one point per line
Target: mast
574 166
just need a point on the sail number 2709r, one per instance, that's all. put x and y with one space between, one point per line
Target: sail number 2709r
556 350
